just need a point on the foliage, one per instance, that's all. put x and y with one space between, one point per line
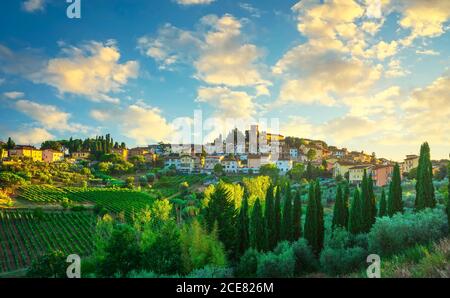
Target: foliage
383 205
270 170
8 179
425 197
287 225
243 237
395 203
339 211
297 216
280 263
49 265
391 235
198 248
248 264
355 222
257 228
305 260
221 211
340 261
122 253
211 272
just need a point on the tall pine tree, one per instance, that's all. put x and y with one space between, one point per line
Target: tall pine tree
257 227
425 197
339 210
366 209
383 205
346 202
355 222
269 219
320 221
297 215
395 202
373 200
287 216
310 229
277 216
243 237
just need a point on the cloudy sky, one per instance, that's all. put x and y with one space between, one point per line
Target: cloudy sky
369 75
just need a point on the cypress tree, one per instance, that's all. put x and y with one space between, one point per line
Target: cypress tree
277 216
355 222
243 238
366 210
297 216
372 200
346 203
257 227
425 197
287 216
320 222
338 210
395 202
383 212
269 219
311 219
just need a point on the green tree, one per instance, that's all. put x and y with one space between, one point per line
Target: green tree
355 222
49 265
372 200
311 224
122 253
425 197
257 227
383 205
366 209
10 144
269 219
218 169
311 154
346 202
339 211
287 228
277 216
243 237
320 221
297 216
395 202
221 210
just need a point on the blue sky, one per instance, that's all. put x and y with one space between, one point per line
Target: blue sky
368 75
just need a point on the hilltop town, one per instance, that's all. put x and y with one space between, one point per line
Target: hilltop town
245 153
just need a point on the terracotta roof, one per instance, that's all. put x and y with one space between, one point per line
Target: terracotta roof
361 167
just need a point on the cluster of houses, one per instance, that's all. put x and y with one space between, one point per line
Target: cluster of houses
245 153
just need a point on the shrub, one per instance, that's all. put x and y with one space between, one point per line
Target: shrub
79 208
392 235
280 263
211 272
248 264
338 261
305 261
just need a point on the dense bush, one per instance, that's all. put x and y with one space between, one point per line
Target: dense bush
305 261
391 235
211 272
338 261
280 263
248 264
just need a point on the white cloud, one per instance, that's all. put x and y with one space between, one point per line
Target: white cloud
313 76
33 5
142 123
92 70
194 2
13 94
428 52
49 116
395 69
32 136
217 50
228 103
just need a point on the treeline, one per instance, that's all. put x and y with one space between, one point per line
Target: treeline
97 146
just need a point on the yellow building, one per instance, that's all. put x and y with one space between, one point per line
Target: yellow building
26 151
356 173
49 155
341 168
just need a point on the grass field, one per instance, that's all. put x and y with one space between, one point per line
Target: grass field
24 236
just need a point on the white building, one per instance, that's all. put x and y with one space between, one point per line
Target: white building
284 165
231 165
172 161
